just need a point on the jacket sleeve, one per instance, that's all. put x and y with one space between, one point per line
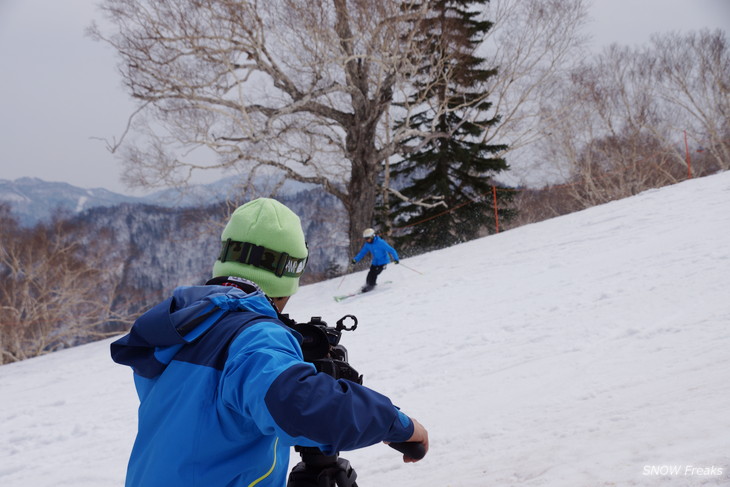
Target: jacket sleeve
391 251
267 380
363 251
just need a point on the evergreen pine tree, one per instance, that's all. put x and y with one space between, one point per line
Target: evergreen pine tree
452 167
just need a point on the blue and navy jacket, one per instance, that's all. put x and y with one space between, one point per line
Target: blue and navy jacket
224 393
379 249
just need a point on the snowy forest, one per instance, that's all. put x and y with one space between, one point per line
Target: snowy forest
406 115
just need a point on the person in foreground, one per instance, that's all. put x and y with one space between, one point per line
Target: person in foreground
381 254
224 391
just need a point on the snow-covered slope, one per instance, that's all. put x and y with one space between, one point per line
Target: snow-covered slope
588 350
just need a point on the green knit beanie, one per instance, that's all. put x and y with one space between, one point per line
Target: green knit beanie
264 243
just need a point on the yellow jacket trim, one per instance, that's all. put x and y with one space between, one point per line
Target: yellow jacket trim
276 443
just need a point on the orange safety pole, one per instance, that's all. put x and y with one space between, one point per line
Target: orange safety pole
496 215
689 160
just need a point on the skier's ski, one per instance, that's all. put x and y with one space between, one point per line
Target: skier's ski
359 292
342 297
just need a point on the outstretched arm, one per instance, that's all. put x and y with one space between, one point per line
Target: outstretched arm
267 380
363 251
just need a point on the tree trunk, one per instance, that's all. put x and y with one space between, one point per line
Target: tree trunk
362 152
362 202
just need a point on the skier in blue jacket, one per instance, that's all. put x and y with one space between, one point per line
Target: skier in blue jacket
381 253
224 390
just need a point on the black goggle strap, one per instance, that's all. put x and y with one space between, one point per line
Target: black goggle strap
280 263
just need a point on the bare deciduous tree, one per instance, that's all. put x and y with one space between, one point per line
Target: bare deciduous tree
618 167
55 291
534 44
631 107
296 85
692 76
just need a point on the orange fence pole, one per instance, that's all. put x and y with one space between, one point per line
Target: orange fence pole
496 214
689 160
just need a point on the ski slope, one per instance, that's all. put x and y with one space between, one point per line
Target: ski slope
588 350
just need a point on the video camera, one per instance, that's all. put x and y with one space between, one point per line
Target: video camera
321 346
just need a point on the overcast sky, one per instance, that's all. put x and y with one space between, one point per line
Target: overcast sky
59 89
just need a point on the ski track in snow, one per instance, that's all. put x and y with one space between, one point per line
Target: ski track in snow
572 352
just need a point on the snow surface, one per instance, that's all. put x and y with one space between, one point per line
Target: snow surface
81 203
587 350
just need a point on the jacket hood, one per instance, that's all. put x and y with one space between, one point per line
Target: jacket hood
159 333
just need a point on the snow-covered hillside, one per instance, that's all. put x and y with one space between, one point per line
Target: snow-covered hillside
588 350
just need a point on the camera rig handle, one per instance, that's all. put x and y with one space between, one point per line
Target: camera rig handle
410 449
341 323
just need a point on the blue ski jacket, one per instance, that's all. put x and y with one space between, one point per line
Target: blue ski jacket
379 249
224 393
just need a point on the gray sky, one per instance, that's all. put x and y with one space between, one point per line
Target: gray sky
59 89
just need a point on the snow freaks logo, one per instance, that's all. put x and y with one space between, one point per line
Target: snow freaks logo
683 471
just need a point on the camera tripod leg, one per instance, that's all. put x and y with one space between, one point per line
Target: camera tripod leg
338 473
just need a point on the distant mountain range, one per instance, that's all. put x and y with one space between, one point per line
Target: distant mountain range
171 237
33 200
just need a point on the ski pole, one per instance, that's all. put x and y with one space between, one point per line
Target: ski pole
410 268
347 271
341 281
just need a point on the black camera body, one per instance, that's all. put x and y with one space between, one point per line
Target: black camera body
321 346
